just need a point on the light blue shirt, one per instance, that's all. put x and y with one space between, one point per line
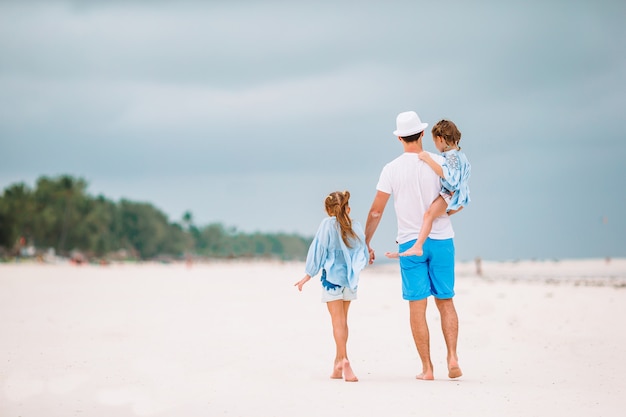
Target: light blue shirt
329 252
456 171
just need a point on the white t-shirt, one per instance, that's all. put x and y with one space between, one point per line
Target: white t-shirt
414 186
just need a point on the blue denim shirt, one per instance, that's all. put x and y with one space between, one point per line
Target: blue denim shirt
329 252
456 171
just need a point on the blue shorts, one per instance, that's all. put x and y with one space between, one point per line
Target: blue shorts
429 274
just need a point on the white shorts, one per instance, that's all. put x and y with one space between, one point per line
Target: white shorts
339 293
446 196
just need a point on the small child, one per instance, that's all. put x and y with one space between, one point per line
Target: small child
339 250
454 173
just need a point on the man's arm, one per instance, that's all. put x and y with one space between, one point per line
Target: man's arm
373 219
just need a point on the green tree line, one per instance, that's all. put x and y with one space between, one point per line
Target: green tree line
59 213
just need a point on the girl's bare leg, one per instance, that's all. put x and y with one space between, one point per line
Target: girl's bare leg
338 310
436 209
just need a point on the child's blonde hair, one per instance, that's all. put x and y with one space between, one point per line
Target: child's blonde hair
448 131
336 204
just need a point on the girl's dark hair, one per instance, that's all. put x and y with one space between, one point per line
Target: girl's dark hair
337 205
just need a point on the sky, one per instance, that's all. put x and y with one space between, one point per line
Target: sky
248 113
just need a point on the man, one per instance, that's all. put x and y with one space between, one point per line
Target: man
415 186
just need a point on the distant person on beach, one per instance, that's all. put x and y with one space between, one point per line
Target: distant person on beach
340 252
454 173
415 186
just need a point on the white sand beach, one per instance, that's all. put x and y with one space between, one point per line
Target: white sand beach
541 338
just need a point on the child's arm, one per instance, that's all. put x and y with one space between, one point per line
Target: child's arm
303 281
316 254
425 156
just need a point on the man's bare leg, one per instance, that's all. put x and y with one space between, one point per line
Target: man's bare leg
436 209
450 329
338 310
419 328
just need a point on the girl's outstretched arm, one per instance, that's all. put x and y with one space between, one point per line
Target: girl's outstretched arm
425 156
303 281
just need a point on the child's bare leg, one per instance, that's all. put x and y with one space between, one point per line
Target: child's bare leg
338 310
340 334
436 209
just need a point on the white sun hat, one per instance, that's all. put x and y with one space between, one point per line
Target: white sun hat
408 123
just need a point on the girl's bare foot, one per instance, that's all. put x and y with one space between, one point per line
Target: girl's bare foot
348 374
337 371
414 251
411 252
425 376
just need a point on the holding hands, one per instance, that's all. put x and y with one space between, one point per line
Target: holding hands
372 254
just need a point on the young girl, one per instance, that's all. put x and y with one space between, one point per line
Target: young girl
339 250
454 173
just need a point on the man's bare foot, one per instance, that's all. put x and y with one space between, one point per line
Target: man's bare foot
425 376
392 255
337 371
454 371
348 374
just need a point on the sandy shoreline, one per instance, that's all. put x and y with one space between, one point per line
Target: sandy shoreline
237 339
